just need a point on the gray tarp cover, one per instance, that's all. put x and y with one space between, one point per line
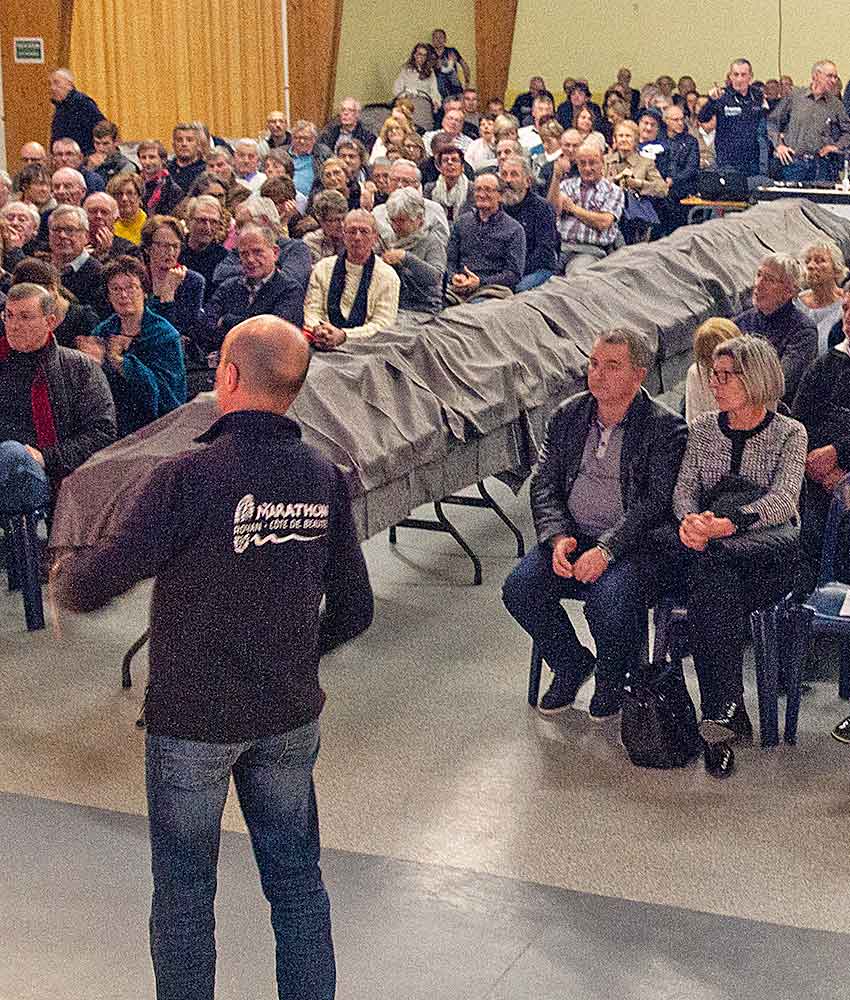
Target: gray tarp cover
440 402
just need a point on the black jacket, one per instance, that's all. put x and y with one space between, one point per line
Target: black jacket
74 118
80 400
330 136
653 446
821 404
87 284
279 296
244 537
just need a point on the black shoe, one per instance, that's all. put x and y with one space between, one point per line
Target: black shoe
842 731
719 760
606 702
564 688
732 724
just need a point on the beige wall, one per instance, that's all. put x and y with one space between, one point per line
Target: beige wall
377 37
654 38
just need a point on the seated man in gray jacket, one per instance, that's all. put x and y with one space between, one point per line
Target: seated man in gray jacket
417 253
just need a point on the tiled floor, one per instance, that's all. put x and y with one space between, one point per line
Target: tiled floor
473 848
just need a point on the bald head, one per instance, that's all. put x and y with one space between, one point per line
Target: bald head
263 364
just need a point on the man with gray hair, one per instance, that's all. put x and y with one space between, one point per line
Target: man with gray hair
308 155
537 218
810 128
68 186
102 211
405 174
355 294
347 126
56 409
203 250
68 235
776 317
67 153
261 289
246 164
76 113
417 253
604 481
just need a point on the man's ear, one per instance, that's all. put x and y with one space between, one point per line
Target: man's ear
231 376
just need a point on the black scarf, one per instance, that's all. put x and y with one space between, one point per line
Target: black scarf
357 317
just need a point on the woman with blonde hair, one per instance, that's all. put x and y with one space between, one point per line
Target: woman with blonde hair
821 300
393 133
699 398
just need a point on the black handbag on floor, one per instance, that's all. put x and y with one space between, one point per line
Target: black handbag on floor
659 722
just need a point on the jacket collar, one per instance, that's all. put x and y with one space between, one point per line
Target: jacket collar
252 423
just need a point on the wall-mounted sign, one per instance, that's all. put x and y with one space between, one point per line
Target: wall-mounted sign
29 50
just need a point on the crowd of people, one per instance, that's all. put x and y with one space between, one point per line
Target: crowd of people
125 270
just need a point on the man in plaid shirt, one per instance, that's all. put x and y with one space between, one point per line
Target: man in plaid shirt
588 207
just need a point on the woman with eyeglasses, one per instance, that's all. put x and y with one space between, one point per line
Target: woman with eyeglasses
139 351
176 292
737 503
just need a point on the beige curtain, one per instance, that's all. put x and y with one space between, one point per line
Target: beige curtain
151 63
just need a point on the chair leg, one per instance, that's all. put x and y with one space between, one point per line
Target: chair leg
797 641
534 672
23 539
8 555
126 679
844 669
764 626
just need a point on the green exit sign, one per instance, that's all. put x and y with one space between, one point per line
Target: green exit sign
29 50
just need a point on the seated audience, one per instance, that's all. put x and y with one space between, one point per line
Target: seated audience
486 252
604 481
188 160
417 79
308 154
705 133
583 123
737 502
102 210
568 144
417 253
72 318
67 187
355 156
67 153
699 398
346 127
481 152
334 176
140 352
452 190
246 161
471 109
281 192
626 167
630 94
276 136
537 218
775 317
821 300
551 131
821 406
162 194
81 273
354 294
35 188
261 287
55 406
429 169
578 97
588 208
405 174
521 108
127 190
452 126
203 251
176 292
616 111
652 143
107 159
329 209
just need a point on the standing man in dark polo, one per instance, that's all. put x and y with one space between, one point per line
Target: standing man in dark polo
741 133
76 113
234 688
605 478
810 127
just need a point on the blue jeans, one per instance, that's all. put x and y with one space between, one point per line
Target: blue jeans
533 280
615 608
187 785
24 486
807 170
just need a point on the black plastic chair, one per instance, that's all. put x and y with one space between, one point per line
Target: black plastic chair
786 639
23 563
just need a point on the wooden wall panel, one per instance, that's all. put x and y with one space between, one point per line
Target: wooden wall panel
494 36
26 97
313 28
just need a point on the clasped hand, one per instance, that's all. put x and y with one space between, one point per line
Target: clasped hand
697 530
587 568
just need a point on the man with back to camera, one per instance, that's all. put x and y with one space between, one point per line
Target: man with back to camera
234 686
605 478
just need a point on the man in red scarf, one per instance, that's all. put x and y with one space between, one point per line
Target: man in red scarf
55 405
